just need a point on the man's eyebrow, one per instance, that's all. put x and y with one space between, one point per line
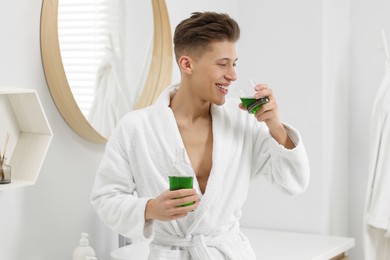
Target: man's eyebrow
227 59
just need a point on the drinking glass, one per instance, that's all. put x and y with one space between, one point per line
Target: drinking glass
250 103
181 182
182 175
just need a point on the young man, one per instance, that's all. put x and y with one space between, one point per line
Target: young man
224 147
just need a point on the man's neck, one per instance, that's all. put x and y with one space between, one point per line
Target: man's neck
186 105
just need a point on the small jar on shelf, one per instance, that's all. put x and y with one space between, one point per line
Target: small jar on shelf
5 173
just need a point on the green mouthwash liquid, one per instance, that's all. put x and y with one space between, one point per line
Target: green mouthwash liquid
181 182
252 104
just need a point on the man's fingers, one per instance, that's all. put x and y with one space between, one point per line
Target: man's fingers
181 193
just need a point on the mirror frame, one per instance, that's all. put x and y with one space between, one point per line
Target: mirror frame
158 78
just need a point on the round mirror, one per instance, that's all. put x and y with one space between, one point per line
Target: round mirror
101 62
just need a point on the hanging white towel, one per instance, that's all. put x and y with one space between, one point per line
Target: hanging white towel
112 97
377 208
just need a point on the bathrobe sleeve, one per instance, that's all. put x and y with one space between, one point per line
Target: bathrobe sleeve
288 169
113 192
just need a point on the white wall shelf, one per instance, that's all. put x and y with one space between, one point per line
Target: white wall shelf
22 115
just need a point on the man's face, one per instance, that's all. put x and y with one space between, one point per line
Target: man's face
214 71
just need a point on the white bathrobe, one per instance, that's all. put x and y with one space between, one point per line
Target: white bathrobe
139 158
377 207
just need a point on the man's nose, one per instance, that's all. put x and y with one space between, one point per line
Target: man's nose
231 75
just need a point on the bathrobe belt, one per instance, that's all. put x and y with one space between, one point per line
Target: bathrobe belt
196 244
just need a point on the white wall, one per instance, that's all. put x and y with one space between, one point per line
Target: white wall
335 113
301 48
281 45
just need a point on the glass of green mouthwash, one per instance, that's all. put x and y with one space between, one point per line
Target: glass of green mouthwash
181 182
252 104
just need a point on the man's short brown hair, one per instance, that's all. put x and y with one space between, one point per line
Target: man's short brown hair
194 34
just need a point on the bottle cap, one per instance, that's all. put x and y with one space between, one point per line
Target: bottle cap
84 239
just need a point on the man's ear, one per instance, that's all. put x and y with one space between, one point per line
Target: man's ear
185 64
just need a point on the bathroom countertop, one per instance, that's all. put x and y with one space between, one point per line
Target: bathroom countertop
276 245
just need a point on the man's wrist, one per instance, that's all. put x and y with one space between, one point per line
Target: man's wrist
147 210
279 133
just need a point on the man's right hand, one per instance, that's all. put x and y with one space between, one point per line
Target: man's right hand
167 207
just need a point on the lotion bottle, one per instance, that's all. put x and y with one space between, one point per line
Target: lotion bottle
83 250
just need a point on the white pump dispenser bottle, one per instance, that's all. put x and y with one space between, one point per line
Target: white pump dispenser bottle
83 250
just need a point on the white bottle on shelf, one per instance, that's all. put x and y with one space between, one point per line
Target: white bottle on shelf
83 250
